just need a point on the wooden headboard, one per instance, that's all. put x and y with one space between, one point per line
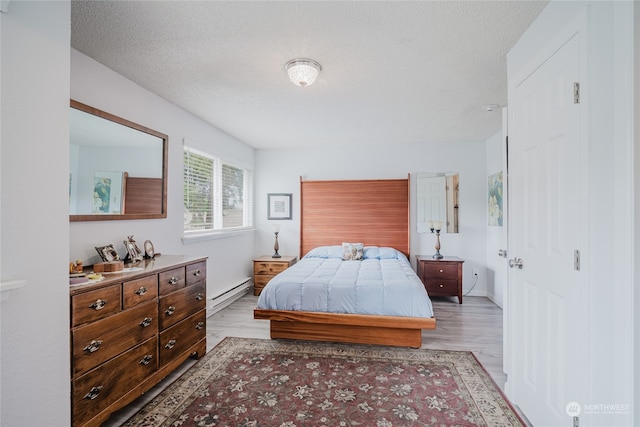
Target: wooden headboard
373 212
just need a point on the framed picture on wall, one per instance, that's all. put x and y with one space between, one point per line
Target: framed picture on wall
279 206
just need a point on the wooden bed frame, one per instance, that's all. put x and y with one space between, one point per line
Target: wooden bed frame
374 212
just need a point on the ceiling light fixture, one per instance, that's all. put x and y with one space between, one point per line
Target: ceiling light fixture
302 72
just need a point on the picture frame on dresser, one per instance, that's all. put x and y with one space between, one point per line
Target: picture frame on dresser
108 253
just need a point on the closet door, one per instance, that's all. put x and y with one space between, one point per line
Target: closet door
548 323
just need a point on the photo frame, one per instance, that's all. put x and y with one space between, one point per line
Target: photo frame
279 206
135 254
108 253
149 251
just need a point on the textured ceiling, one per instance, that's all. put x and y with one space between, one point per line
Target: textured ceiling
393 72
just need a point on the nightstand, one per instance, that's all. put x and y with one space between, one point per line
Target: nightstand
266 267
441 277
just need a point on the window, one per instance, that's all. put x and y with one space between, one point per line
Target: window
217 195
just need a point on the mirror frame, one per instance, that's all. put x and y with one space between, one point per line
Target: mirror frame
165 152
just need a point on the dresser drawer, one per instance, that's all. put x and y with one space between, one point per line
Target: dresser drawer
171 280
140 290
177 339
441 287
271 268
96 304
441 270
196 272
99 388
99 341
182 304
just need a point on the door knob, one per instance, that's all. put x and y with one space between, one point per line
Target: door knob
516 262
502 253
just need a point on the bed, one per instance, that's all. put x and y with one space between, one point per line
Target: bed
375 214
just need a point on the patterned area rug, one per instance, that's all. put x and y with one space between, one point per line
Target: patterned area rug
252 382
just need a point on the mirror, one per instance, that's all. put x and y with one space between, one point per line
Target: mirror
437 196
118 169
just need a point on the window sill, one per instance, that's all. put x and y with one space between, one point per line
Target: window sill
215 235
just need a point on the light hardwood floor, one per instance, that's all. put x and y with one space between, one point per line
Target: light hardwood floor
475 325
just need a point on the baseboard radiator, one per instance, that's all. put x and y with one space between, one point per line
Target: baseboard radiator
227 296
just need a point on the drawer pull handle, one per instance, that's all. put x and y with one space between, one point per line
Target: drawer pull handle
200 325
99 304
146 360
170 344
146 322
196 273
441 285
199 296
173 280
441 271
93 393
93 346
169 311
141 291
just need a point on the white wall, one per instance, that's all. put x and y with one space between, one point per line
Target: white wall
229 257
608 243
279 171
35 231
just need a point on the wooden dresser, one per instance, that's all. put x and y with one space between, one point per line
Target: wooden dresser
131 329
441 277
266 267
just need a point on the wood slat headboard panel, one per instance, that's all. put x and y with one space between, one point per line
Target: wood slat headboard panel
374 212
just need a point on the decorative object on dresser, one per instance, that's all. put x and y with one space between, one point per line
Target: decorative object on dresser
134 254
108 253
149 251
131 330
441 277
266 267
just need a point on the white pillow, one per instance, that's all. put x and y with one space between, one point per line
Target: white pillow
352 251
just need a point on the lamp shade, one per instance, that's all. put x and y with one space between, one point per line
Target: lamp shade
302 72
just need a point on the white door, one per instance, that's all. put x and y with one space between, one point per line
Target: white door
432 201
548 324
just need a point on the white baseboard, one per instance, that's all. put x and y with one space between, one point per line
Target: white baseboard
227 296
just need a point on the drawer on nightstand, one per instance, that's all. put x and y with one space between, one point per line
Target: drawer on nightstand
271 268
261 281
435 286
441 269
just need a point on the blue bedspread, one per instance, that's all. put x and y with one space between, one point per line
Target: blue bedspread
383 283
